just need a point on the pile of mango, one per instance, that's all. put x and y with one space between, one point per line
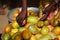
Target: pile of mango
35 29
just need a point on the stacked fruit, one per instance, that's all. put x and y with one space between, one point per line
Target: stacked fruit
33 30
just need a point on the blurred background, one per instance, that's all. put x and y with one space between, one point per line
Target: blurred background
17 3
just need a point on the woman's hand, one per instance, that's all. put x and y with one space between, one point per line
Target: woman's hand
23 14
20 18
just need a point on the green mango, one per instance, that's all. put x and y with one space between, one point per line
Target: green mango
46 37
33 29
45 30
14 35
17 37
6 36
32 19
21 29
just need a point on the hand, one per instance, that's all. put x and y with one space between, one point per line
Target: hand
20 18
23 14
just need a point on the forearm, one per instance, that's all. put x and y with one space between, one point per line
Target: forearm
24 5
